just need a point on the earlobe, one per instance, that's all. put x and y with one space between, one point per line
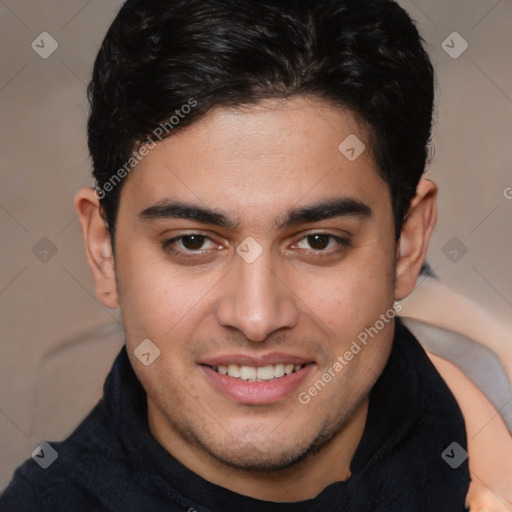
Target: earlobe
98 246
414 238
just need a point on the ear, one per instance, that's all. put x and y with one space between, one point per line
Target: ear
414 238
98 246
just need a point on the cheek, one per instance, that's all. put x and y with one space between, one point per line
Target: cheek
157 301
352 296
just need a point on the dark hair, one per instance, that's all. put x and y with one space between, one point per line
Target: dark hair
162 55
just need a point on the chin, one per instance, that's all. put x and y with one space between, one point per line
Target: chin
261 459
259 453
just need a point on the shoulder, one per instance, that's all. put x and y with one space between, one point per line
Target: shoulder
88 456
421 460
45 490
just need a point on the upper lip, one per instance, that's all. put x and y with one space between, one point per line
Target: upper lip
256 361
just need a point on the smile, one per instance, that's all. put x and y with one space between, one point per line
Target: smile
256 385
258 374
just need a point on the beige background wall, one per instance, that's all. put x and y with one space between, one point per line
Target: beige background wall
57 341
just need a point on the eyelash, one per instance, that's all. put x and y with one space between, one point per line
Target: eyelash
342 242
166 245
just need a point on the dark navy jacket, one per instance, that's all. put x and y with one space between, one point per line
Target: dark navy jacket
112 463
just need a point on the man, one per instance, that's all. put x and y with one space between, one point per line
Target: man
259 209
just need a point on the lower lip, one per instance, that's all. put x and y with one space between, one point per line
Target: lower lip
256 393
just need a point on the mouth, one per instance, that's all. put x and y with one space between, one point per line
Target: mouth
265 373
258 381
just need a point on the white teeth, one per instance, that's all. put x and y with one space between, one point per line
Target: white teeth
247 372
234 370
265 372
278 370
260 373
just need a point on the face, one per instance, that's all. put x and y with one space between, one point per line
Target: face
253 253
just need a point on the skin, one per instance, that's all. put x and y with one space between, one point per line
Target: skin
489 443
255 165
452 311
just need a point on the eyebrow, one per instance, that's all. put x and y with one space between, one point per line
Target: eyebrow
325 209
179 210
322 210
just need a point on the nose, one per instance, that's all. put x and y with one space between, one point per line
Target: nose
256 301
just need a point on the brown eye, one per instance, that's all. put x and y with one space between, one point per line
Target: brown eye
193 242
322 242
318 242
192 249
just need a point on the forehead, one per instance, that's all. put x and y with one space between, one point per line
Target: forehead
277 153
